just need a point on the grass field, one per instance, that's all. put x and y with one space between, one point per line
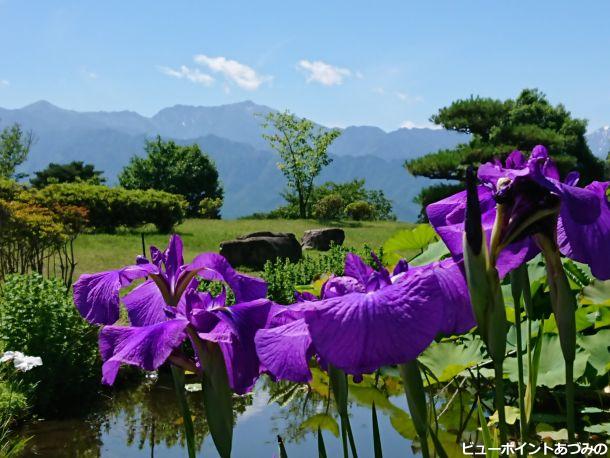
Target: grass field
97 252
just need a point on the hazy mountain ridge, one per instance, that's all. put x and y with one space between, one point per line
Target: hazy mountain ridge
231 134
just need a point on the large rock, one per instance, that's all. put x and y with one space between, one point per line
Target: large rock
320 239
254 250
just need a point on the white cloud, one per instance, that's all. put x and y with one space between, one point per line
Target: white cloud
379 90
323 73
4 83
408 98
191 74
89 74
415 125
242 75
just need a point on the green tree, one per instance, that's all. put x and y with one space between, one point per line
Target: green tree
15 146
499 127
303 151
183 170
67 173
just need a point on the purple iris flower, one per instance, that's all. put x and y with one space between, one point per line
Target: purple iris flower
166 308
533 199
366 319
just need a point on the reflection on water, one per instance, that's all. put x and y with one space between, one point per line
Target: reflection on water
145 421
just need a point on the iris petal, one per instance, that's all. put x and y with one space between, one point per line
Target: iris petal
235 333
212 266
356 268
147 347
145 305
583 232
284 351
359 333
97 295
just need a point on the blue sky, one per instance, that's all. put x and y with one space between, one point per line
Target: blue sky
340 63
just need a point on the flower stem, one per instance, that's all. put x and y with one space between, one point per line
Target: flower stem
500 401
563 303
516 282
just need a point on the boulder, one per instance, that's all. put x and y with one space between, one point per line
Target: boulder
254 250
320 239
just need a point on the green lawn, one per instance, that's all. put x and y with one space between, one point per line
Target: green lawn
96 252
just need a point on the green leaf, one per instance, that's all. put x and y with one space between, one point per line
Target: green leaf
597 346
485 432
409 240
189 431
376 435
434 252
602 428
597 293
281 447
338 383
448 359
321 446
217 399
551 367
416 400
321 421
583 321
511 413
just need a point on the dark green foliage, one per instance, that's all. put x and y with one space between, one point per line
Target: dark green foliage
435 193
329 207
67 173
499 127
110 208
209 208
169 167
15 146
360 211
284 277
38 318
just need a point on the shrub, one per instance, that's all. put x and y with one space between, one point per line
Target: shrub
38 318
360 211
34 236
110 208
210 208
13 402
283 276
329 207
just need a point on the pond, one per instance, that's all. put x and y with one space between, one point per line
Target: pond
145 421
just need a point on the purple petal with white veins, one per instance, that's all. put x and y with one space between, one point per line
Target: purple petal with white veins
235 333
359 333
173 257
147 347
356 268
340 286
284 351
583 233
145 305
212 266
97 295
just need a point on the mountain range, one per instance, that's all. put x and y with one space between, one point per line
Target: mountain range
232 136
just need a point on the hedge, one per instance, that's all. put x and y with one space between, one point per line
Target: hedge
110 208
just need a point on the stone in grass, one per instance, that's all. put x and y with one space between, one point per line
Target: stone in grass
320 239
254 250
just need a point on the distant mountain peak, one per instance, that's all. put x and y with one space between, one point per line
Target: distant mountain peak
41 105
